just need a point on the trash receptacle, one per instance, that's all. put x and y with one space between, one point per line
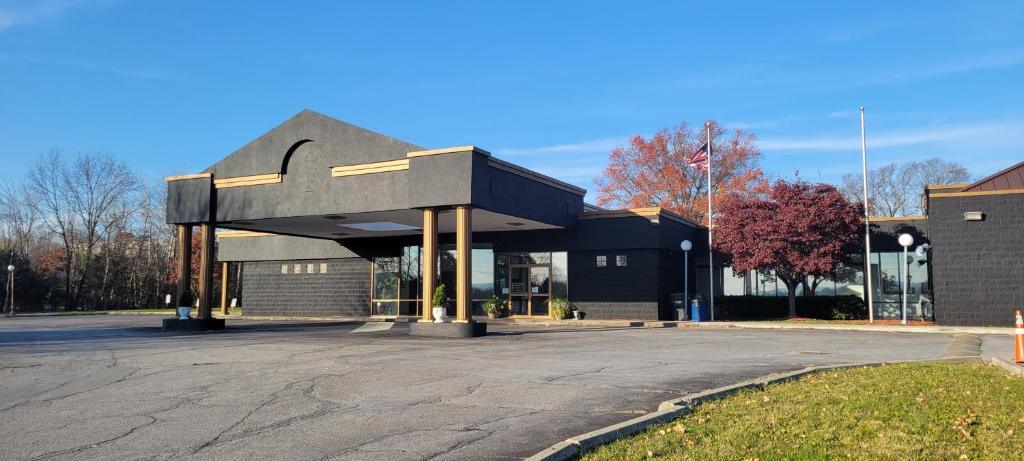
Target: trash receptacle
698 309
678 301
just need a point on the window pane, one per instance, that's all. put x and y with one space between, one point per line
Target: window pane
560 274
483 273
501 274
620 261
733 285
385 278
384 308
410 285
540 258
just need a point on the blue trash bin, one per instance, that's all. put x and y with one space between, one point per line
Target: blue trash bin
698 311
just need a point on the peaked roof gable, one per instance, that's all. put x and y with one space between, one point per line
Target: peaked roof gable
1010 178
347 143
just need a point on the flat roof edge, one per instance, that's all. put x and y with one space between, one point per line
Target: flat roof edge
645 212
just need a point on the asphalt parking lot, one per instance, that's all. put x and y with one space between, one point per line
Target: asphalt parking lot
116 387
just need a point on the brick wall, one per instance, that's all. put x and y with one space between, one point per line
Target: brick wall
343 290
977 266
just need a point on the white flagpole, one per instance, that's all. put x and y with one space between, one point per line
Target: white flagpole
711 265
867 225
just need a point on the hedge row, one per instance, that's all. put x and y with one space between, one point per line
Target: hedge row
775 307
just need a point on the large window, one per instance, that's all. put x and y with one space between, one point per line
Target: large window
889 271
396 284
530 277
384 297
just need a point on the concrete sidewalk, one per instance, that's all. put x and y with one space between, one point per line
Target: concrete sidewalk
547 322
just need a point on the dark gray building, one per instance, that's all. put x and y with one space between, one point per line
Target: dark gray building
325 218
977 235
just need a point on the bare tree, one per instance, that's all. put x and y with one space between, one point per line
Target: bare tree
82 203
896 189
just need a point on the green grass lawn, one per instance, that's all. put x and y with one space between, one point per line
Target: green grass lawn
897 412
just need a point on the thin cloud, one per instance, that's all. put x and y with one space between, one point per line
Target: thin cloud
765 74
598 145
94 67
21 13
977 133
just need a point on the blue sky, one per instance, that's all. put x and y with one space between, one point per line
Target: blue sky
172 86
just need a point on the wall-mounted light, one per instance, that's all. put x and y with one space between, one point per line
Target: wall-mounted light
974 216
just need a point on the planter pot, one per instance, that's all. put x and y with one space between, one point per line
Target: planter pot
183 312
576 314
439 314
492 315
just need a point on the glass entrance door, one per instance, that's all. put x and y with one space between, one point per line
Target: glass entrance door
530 289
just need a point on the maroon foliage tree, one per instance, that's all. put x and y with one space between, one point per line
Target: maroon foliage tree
796 229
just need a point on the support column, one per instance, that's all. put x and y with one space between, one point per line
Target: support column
429 260
183 259
463 262
205 270
224 288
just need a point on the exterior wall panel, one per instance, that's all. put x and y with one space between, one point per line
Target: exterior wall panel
343 291
977 266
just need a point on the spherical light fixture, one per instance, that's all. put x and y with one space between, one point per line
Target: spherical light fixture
686 245
10 268
906 240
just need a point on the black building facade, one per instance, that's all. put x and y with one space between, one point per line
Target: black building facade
328 219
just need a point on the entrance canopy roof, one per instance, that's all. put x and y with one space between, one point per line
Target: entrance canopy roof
316 176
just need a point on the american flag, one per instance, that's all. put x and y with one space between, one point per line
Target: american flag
699 159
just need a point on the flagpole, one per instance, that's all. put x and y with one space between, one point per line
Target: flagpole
867 224
711 265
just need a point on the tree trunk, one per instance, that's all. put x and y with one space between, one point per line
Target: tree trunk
792 300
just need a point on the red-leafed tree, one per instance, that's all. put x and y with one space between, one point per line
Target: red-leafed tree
796 229
654 172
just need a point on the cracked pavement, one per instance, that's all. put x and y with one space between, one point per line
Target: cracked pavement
117 387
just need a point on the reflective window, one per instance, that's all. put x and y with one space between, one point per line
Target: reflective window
483 273
602 261
620 260
560 274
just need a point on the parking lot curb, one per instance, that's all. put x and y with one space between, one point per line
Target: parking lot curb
1008 365
670 410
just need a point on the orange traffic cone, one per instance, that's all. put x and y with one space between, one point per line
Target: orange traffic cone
1018 343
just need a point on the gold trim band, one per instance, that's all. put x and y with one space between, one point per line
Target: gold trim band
645 212
254 180
241 233
977 193
897 218
188 176
370 168
945 186
446 150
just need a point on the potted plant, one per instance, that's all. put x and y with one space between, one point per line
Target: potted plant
438 304
185 305
492 307
558 308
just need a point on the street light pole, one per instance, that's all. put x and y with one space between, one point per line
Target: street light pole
906 240
686 245
10 283
867 223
